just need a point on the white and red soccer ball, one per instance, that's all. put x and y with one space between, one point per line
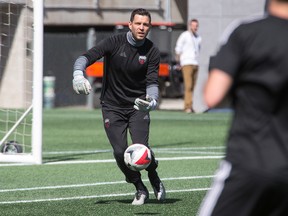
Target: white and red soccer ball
137 157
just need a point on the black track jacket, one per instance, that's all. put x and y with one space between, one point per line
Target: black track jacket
128 70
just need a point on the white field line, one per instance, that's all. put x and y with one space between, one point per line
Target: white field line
211 155
113 160
191 152
95 196
99 184
154 149
169 151
190 148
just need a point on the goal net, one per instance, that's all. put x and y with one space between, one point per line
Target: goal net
21 72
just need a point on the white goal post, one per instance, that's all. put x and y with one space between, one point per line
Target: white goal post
24 113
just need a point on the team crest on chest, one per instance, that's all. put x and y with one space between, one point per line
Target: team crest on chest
142 59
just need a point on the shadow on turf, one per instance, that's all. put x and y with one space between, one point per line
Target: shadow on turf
171 145
147 213
76 156
69 157
128 201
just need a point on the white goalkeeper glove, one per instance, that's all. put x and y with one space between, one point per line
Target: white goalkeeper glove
81 85
145 105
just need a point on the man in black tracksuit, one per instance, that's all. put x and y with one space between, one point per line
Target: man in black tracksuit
252 64
129 92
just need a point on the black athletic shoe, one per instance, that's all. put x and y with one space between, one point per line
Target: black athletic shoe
141 196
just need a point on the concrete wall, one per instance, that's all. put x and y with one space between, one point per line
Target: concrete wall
108 12
214 16
15 85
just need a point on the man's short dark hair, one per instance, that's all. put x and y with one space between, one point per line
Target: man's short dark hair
194 20
140 11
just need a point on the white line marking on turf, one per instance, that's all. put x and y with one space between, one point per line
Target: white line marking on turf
62 186
190 152
100 183
113 160
191 148
190 158
154 149
95 196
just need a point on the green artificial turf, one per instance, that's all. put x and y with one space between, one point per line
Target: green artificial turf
80 177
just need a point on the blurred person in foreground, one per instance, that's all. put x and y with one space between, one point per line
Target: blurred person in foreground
129 92
187 50
252 65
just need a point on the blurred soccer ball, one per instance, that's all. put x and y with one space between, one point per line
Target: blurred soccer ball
137 157
11 147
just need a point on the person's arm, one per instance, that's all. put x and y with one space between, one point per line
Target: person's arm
179 47
217 87
177 58
80 84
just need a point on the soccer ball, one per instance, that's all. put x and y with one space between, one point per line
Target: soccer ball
11 147
137 157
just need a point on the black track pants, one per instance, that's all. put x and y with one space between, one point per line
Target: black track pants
117 122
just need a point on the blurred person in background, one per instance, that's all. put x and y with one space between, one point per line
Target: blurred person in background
129 92
187 51
252 66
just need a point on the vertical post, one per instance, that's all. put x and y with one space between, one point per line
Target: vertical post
266 6
168 11
37 81
168 19
91 37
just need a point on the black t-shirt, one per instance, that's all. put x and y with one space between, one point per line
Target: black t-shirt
128 70
255 55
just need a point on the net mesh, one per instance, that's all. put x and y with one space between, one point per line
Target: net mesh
16 72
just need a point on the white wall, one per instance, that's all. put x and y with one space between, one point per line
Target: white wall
214 16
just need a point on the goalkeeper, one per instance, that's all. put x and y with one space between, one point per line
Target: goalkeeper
129 92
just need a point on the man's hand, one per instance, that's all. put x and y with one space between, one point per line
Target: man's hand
81 85
145 105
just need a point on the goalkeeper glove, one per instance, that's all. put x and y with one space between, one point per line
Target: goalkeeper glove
145 105
80 84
